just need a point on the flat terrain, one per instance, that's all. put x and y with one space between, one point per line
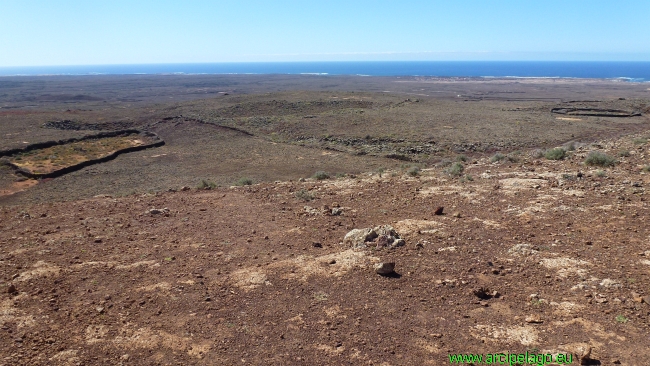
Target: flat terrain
116 264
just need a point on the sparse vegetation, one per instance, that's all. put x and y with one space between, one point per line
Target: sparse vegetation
444 163
381 172
413 171
461 158
621 319
244 182
455 170
570 146
557 153
624 153
321 175
597 158
498 157
646 169
640 141
206 184
304 195
467 178
537 154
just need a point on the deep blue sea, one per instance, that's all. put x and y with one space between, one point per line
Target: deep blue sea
630 71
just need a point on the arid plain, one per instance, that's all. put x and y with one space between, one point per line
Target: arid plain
225 244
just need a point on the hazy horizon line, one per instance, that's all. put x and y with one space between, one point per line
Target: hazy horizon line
311 61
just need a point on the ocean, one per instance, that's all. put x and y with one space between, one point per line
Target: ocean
633 71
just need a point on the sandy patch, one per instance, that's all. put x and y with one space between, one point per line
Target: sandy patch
408 226
10 314
566 308
67 357
137 264
568 119
249 279
565 266
164 286
524 335
591 328
465 192
516 184
41 269
96 333
151 339
18 187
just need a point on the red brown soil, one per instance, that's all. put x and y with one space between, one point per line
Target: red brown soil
232 276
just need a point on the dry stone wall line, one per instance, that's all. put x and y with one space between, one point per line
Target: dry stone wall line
57 173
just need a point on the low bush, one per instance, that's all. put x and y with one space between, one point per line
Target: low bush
244 182
557 153
455 170
498 157
206 184
597 158
413 171
304 195
320 175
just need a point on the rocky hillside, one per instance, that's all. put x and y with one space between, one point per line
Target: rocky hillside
503 254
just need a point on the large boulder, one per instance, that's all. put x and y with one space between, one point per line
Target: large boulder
383 236
357 238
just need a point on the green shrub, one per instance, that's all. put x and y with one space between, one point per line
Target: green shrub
444 163
206 184
498 157
601 173
320 175
467 178
455 170
244 182
461 158
570 146
640 141
413 171
304 195
600 159
623 153
537 154
646 169
557 153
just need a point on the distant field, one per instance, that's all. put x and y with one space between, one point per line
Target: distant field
226 128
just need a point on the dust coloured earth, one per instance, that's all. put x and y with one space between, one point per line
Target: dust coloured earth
309 220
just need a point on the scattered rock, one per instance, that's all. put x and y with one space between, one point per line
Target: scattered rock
336 211
158 211
534 319
11 290
100 309
317 245
184 189
385 268
357 238
522 249
439 210
484 294
456 215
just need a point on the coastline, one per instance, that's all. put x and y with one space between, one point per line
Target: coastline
629 71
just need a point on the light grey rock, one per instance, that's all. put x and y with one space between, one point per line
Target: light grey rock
357 238
385 268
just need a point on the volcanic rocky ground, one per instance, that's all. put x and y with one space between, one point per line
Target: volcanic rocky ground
129 262
534 255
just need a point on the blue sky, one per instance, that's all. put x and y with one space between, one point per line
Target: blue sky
71 32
